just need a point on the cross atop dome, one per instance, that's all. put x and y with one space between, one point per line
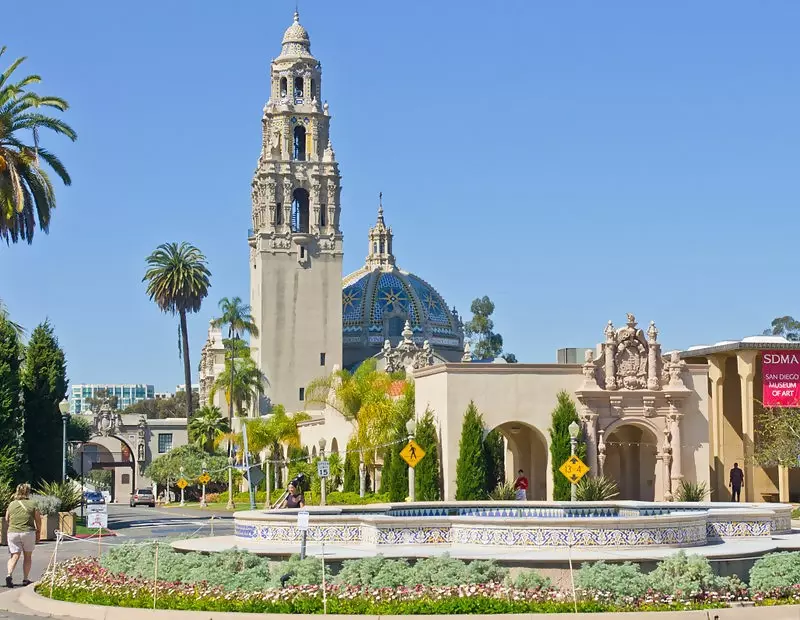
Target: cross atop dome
380 242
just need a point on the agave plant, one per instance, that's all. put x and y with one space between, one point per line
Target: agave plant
502 492
691 491
68 493
598 489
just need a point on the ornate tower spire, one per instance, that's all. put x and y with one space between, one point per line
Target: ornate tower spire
380 242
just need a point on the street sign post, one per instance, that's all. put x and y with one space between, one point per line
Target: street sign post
96 516
573 469
254 475
323 469
182 484
302 525
412 453
204 478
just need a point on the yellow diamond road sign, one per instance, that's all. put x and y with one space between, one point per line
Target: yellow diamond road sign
182 484
204 478
412 453
574 469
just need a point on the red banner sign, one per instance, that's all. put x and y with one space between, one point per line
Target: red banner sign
781 370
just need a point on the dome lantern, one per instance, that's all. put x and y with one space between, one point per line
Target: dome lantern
380 242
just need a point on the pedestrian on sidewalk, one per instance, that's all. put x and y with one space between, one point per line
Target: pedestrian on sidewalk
24 522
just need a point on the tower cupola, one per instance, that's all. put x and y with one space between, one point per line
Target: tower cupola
380 242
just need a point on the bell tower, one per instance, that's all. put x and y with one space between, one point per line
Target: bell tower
296 243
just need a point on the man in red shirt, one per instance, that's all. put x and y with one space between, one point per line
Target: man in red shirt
521 486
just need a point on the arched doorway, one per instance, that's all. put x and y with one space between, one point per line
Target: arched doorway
109 454
631 460
526 449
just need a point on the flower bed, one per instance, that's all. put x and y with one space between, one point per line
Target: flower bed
83 580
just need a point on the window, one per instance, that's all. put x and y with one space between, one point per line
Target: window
278 214
321 359
164 442
299 153
302 393
298 87
300 211
322 217
126 478
283 87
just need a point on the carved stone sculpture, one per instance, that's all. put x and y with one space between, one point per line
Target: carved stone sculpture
407 355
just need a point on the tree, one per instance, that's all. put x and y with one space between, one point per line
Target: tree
44 386
397 469
247 384
4 315
102 397
495 460
26 192
489 345
79 429
11 419
278 428
563 415
471 464
163 408
178 280
362 398
777 440
350 475
167 467
427 481
206 426
784 326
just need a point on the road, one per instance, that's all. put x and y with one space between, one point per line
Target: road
132 524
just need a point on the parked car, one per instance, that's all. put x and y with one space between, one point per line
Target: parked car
93 497
143 496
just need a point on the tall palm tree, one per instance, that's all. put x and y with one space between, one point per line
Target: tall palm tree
246 384
206 426
26 192
362 398
177 280
276 428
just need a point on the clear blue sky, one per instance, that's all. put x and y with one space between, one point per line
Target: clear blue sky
572 160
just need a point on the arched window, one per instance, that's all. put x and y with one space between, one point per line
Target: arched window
313 88
322 217
298 87
396 325
299 153
278 214
300 211
283 87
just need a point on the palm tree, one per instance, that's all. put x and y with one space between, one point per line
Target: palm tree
26 193
177 280
276 428
5 316
206 426
246 384
362 398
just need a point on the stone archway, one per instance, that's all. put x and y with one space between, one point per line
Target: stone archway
526 449
113 453
632 459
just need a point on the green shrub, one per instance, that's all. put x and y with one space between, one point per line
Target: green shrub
485 571
596 489
6 495
562 416
620 580
775 570
691 491
46 504
426 474
685 574
502 492
529 580
379 572
68 493
471 464
495 459
376 572
307 571
440 571
396 474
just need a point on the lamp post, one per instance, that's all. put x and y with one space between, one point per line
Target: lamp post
323 491
230 505
203 503
63 407
411 426
574 431
183 503
233 337
268 481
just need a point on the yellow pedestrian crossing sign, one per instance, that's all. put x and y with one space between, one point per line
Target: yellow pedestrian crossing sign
412 453
204 478
182 484
573 469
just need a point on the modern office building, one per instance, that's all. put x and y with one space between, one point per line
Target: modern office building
571 355
127 394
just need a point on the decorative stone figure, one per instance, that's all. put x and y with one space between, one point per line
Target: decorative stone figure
601 451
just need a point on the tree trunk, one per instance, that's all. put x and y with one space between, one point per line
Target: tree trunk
187 368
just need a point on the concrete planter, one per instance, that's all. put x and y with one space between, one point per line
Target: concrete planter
3 532
48 529
66 523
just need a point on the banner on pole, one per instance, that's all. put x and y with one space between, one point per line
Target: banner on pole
781 378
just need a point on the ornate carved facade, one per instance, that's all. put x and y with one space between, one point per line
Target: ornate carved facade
407 355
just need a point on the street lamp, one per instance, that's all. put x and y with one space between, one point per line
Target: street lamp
183 503
323 491
411 426
233 337
574 431
63 407
203 503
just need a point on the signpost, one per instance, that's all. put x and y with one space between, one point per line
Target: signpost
781 382
412 453
574 469
254 475
182 484
323 469
96 516
302 525
203 480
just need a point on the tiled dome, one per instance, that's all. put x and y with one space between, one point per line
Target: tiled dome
296 42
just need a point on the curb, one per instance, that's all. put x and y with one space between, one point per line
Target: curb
29 599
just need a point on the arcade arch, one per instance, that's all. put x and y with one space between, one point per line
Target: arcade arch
526 449
632 456
110 453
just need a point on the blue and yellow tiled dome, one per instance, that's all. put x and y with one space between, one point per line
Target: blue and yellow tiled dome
379 298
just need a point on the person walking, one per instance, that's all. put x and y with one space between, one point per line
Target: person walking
521 486
24 523
736 483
